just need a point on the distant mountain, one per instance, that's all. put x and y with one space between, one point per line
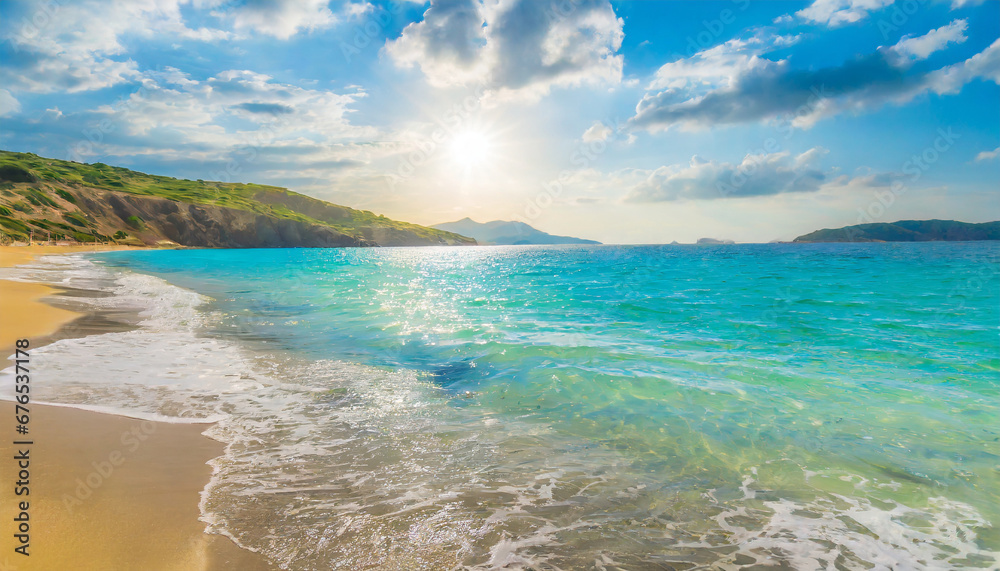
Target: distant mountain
908 231
704 241
48 198
501 232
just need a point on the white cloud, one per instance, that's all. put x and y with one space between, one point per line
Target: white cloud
514 48
597 132
951 79
921 47
283 18
732 83
447 44
9 105
718 66
173 103
988 155
237 125
358 9
756 175
77 46
834 13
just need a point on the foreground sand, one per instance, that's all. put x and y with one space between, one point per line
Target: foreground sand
139 512
23 316
87 513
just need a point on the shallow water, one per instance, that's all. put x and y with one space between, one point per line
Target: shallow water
803 406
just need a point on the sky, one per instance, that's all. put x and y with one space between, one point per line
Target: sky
617 121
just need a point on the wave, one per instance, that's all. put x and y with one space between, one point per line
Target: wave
331 464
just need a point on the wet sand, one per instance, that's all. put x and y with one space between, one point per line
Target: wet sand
109 492
22 313
24 316
15 255
106 492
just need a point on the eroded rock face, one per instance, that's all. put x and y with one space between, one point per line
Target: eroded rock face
201 225
154 220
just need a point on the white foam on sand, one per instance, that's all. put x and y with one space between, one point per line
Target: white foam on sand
162 370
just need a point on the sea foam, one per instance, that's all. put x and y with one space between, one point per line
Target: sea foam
331 463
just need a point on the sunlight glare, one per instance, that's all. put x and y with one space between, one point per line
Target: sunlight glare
471 149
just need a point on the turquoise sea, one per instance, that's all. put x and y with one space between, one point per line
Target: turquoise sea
829 406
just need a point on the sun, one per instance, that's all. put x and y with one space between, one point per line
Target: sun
471 149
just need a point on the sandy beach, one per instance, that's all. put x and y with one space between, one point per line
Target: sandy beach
106 492
22 313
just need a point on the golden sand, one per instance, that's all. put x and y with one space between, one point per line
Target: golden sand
16 255
22 315
112 493
106 492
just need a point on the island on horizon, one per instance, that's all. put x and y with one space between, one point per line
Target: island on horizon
507 233
907 231
55 200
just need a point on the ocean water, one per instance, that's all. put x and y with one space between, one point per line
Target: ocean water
614 407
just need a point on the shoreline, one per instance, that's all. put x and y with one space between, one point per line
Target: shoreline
22 307
106 491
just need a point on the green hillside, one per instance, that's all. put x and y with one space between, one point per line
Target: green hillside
907 231
67 198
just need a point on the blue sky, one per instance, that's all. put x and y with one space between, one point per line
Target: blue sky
624 122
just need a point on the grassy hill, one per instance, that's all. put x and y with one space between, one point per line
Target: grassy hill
907 231
88 202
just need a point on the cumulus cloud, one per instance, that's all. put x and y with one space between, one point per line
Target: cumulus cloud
732 83
718 66
921 47
236 125
951 79
834 13
77 46
988 155
756 175
447 44
515 48
197 110
597 132
282 18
